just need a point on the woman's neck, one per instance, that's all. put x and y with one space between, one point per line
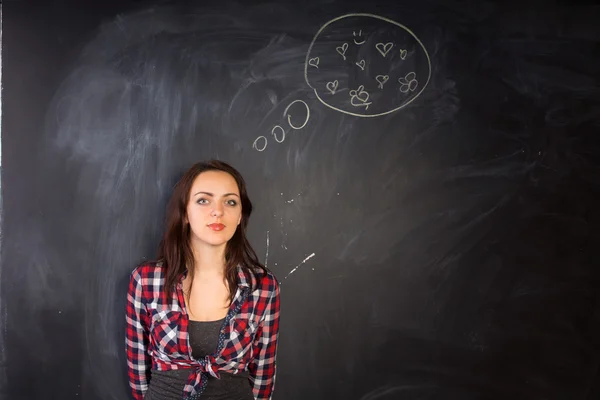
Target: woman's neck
209 261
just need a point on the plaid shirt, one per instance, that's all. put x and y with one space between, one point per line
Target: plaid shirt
157 334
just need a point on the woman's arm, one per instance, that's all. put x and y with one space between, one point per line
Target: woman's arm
138 360
262 367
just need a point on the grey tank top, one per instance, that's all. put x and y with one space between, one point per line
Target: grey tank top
204 337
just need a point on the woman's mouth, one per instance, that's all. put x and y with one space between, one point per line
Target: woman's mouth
216 227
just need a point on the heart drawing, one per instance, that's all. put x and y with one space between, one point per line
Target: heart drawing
342 50
314 62
384 49
403 54
332 86
361 64
382 79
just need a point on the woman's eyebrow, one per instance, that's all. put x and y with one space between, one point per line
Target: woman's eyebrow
212 195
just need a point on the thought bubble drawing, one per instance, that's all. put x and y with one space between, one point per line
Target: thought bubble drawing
368 65
279 133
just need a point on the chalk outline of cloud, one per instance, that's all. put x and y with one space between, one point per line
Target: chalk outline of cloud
376 17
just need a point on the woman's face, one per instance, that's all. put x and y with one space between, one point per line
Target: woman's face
214 210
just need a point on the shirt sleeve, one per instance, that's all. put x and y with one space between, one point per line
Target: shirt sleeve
138 360
262 366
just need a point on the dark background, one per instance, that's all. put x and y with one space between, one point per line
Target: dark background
455 241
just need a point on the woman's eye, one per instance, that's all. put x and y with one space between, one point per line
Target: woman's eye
232 203
202 201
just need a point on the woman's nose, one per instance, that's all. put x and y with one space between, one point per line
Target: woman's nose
217 210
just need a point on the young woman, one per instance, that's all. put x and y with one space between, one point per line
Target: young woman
203 320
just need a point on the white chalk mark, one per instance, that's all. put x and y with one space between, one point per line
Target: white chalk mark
259 146
403 54
275 135
409 82
332 86
292 200
366 15
314 62
360 94
256 145
359 35
384 49
342 50
267 255
382 79
298 266
361 64
289 117
359 97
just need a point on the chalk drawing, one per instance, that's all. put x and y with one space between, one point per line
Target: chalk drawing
277 127
359 36
409 82
332 86
384 49
298 266
267 255
257 146
289 116
382 79
342 50
278 133
359 97
396 48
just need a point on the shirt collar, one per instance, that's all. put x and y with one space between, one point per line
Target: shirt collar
245 279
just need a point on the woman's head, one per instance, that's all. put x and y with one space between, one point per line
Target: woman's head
209 207
213 182
213 209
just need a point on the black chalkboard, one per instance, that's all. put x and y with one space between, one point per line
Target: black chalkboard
425 174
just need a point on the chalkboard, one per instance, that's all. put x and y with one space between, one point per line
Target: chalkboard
425 175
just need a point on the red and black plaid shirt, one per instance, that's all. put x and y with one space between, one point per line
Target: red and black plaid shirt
157 333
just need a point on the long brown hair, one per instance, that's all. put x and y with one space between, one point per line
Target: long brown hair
175 251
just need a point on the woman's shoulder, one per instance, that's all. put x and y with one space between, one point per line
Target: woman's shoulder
148 270
267 281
